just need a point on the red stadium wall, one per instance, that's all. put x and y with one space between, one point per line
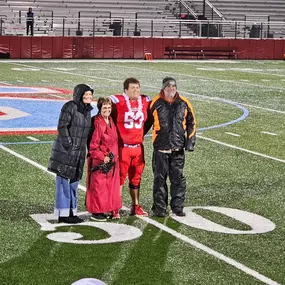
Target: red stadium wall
129 47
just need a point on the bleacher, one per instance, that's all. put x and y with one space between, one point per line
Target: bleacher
135 16
255 11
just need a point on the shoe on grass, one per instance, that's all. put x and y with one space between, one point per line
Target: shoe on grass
137 210
179 213
115 215
159 214
76 220
70 220
100 217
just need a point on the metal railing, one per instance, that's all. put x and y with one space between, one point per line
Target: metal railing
109 26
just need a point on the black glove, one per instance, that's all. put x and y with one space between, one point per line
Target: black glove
106 167
189 145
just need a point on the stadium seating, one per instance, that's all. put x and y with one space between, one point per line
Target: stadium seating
96 17
254 11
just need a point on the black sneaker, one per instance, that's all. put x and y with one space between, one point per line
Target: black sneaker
179 213
98 217
70 220
76 220
64 220
159 214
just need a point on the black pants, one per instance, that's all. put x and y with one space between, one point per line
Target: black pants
163 165
30 26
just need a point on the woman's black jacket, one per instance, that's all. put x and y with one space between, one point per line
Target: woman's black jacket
69 149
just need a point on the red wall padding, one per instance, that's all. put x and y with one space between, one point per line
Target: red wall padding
15 47
278 49
67 47
131 47
57 48
98 47
78 47
108 47
88 48
158 48
47 51
26 47
4 44
138 48
128 48
118 43
36 47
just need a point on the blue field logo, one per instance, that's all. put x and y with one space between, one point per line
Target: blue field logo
26 115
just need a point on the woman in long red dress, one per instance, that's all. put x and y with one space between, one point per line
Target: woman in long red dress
103 180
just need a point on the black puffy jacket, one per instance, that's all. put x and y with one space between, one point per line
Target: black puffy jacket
171 122
69 149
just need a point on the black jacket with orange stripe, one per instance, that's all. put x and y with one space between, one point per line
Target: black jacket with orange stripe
174 124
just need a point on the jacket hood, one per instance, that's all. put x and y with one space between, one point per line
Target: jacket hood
79 91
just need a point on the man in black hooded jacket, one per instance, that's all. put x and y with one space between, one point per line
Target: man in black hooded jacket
68 152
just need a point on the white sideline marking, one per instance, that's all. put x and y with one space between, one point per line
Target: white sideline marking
212 252
64 68
5 83
158 88
268 133
184 238
262 108
33 139
242 149
43 168
232 134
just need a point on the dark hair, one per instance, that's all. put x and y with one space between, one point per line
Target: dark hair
130 80
101 101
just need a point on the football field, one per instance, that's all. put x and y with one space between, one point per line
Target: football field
234 229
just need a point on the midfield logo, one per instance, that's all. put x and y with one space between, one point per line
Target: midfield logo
30 115
8 113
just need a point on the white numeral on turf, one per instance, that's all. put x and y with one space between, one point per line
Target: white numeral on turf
257 223
117 232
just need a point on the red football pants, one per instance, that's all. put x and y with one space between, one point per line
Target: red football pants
131 164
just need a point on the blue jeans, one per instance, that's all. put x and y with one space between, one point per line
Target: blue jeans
66 196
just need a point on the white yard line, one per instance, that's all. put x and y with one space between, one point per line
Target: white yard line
262 108
5 83
268 133
157 88
199 77
174 233
41 167
242 149
232 134
212 252
33 139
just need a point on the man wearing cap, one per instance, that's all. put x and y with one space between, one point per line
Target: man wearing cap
172 117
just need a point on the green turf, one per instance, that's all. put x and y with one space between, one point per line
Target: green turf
218 174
